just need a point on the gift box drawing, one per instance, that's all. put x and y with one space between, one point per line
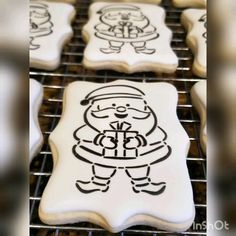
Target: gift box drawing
121 142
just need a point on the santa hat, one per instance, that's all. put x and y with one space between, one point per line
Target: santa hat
112 91
118 7
38 5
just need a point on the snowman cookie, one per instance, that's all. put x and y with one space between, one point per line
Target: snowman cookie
190 3
195 21
199 99
50 29
119 142
35 137
128 37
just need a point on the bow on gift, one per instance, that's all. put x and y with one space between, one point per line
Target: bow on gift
127 143
116 125
126 30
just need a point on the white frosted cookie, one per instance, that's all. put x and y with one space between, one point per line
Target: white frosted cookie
10 94
119 142
190 3
137 1
199 99
50 29
225 25
65 1
195 21
36 137
128 38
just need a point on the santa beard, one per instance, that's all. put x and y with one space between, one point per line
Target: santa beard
141 121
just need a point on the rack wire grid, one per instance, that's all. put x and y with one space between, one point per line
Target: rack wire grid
71 70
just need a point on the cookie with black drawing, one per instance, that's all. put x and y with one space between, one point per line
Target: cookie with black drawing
190 3
35 136
199 99
137 1
226 31
119 142
128 38
195 21
64 1
50 29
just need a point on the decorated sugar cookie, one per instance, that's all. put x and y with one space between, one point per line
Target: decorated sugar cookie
225 25
65 1
190 3
36 137
199 98
141 1
50 29
128 38
195 21
119 142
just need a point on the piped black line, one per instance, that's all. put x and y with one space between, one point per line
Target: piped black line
142 185
78 156
155 193
86 191
109 86
153 144
74 133
155 122
90 151
165 157
99 184
153 150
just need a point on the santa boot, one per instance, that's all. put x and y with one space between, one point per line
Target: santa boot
147 186
145 50
110 50
99 182
141 181
96 184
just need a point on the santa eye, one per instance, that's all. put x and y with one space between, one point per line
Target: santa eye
113 104
127 105
98 107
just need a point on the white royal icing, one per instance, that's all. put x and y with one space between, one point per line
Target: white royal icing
36 137
199 97
195 20
190 3
129 38
141 1
119 143
50 29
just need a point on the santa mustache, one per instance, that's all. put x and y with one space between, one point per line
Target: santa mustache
132 112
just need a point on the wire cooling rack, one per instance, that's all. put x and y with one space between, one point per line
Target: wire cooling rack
71 70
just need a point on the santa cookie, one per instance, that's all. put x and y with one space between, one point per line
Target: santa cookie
225 25
50 29
195 21
119 142
190 3
128 38
141 1
65 1
199 99
36 137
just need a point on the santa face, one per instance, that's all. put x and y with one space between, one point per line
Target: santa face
125 17
130 110
39 21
